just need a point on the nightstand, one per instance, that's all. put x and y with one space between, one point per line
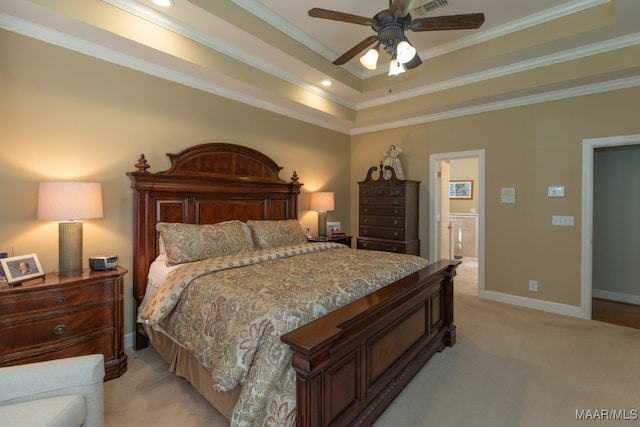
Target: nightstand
64 316
344 240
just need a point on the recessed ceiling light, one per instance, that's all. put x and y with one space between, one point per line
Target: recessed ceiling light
326 83
163 3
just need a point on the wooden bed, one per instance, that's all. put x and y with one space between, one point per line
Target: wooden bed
351 363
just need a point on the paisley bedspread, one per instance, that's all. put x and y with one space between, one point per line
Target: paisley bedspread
230 312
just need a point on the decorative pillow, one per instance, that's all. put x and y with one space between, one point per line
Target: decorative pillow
194 242
276 233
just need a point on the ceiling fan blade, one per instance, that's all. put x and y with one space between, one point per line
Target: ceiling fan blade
356 50
452 22
316 12
400 8
415 61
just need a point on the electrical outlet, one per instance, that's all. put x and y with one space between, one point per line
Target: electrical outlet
533 285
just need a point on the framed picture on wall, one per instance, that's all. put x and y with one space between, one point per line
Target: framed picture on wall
461 189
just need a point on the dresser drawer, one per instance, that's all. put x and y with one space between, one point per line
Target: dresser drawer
19 335
381 201
34 301
382 232
381 221
397 211
373 245
382 190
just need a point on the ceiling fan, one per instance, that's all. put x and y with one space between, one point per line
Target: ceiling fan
390 26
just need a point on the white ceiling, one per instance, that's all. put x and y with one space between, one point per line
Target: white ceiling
271 54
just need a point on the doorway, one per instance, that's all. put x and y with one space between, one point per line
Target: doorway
444 238
589 224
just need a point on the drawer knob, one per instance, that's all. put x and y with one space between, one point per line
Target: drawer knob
395 234
396 211
60 300
366 221
395 222
366 210
60 329
366 231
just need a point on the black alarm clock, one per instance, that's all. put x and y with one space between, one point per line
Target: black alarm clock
102 263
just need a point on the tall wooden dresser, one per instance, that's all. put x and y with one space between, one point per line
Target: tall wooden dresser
388 212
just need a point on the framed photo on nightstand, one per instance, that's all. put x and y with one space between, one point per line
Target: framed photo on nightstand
333 226
21 268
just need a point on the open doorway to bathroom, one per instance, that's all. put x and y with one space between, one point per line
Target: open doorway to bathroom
457 213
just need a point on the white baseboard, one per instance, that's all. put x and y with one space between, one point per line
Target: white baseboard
536 304
616 296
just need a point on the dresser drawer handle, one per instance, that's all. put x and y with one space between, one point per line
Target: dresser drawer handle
366 232
60 329
395 234
366 210
395 222
366 221
395 211
60 300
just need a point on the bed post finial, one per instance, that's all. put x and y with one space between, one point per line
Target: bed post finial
294 178
142 164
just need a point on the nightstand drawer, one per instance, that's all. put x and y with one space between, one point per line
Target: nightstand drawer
65 316
27 303
20 335
99 342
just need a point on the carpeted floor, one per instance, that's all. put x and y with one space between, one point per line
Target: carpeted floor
511 366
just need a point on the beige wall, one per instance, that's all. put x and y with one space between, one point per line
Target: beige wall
65 116
70 117
529 148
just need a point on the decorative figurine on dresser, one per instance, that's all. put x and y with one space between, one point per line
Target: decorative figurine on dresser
388 211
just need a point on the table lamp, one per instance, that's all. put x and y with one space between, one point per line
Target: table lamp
69 201
322 202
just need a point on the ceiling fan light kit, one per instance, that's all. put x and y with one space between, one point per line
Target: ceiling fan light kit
395 68
390 26
405 52
370 59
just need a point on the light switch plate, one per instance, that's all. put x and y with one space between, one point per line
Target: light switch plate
566 221
508 195
555 191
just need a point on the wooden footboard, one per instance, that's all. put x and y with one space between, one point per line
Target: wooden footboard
352 363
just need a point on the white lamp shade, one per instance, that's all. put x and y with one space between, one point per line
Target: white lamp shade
370 59
405 52
322 201
395 68
69 200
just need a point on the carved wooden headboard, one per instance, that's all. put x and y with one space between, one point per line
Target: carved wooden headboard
205 184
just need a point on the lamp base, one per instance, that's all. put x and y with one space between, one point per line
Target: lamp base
69 248
322 224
